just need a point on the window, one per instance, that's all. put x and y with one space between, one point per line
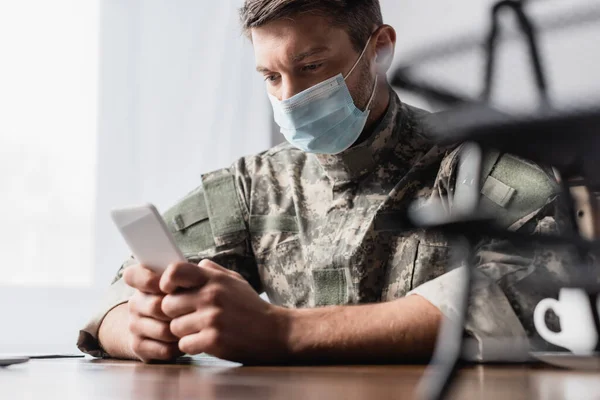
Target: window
48 103
60 175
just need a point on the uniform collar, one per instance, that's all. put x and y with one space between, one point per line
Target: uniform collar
358 161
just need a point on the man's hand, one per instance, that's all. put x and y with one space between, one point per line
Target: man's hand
214 310
150 336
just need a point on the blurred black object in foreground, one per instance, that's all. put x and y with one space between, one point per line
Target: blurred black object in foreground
568 140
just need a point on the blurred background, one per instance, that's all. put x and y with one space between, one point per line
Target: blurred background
106 103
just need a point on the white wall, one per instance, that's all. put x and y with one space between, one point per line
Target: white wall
572 55
178 97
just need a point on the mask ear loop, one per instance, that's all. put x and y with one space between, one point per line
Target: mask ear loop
359 58
368 107
354 67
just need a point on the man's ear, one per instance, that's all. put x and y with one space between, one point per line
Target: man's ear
385 44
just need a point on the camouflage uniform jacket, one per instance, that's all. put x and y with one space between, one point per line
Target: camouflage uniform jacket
316 230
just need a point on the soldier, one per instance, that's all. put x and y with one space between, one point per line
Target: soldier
314 222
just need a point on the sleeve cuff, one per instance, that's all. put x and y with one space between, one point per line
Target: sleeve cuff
491 321
118 293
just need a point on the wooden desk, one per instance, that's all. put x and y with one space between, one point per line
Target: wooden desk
106 379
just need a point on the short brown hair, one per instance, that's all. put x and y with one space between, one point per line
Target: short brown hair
358 17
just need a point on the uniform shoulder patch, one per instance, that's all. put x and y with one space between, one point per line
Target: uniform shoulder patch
188 222
514 189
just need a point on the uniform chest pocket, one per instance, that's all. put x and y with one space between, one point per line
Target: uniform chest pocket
432 260
414 260
283 274
280 257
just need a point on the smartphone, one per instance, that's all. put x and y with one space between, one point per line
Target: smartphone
147 236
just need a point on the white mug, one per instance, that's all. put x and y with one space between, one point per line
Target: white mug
575 309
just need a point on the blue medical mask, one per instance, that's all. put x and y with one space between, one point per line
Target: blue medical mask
323 118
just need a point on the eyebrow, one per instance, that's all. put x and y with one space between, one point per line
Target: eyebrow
317 50
299 57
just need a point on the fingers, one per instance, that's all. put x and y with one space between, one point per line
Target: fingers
185 302
147 305
142 279
180 303
188 276
193 323
216 267
183 275
205 341
150 350
149 328
151 337
186 325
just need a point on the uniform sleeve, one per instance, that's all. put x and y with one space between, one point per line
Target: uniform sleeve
508 281
210 222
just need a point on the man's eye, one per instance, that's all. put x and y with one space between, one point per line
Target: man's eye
271 78
311 67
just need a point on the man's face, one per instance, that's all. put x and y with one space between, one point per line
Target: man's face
294 55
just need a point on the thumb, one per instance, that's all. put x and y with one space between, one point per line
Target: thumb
183 275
